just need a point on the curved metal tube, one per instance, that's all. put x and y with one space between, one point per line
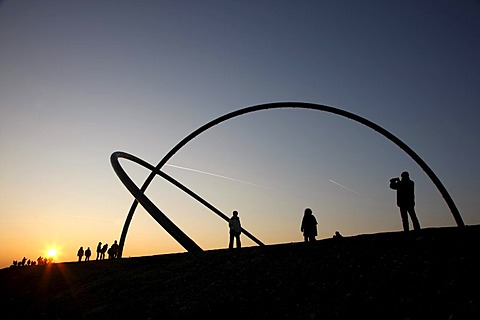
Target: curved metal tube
302 105
178 235
140 196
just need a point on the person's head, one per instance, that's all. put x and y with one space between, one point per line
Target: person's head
235 213
308 211
405 175
115 241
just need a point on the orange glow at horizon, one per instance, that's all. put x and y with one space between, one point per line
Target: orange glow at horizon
52 252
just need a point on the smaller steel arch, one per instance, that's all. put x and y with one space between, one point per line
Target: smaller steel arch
140 196
153 210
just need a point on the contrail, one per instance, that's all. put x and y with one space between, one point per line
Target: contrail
247 182
346 188
217 175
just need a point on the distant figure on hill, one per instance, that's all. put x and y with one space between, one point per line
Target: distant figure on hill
23 261
114 249
80 254
99 250
337 235
235 230
104 249
88 253
406 200
309 226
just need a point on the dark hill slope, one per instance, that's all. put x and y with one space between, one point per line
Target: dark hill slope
433 274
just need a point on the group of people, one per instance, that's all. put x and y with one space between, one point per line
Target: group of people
101 250
404 186
27 262
405 201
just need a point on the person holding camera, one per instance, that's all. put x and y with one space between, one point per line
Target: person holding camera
406 199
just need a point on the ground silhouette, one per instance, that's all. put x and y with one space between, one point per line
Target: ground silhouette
431 274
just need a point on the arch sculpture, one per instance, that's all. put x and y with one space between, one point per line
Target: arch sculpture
182 238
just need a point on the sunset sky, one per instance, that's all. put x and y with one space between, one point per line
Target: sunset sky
80 80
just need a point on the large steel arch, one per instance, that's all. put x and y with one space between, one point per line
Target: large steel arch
281 105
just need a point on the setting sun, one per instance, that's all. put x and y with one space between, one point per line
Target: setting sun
52 253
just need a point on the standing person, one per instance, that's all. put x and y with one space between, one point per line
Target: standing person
102 252
309 226
114 248
88 253
235 230
406 200
80 254
99 250
110 252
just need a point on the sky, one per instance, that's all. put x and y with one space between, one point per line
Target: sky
80 80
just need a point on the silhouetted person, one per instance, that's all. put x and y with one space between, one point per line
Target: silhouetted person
114 248
23 261
99 250
337 235
309 226
406 199
104 249
235 230
80 254
88 253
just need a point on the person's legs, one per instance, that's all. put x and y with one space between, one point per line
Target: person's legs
239 244
413 216
230 243
404 215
